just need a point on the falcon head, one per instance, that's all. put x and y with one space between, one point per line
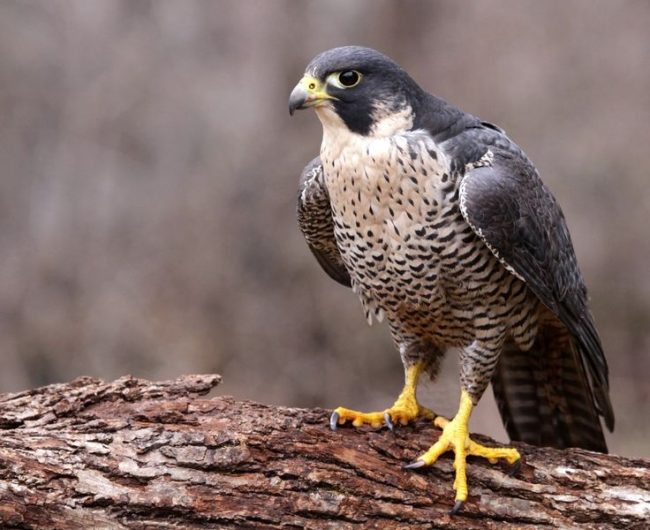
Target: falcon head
358 89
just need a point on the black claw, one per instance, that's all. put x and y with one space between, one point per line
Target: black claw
416 464
516 468
334 420
389 422
457 507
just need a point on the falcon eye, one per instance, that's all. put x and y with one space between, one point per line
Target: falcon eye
349 78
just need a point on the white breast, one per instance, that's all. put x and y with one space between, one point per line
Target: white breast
384 192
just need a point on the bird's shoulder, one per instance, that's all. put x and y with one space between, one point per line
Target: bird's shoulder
505 201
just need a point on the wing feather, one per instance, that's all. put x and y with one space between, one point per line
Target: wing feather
512 211
316 224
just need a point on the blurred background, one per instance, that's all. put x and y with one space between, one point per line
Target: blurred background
149 172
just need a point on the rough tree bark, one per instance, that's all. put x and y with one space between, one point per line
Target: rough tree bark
139 454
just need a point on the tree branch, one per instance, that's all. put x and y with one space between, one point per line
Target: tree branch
139 454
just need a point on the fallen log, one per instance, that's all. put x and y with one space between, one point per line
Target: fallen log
156 455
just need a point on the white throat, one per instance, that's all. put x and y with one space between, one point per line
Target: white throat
337 136
387 122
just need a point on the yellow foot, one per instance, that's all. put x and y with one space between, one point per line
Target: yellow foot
404 410
455 437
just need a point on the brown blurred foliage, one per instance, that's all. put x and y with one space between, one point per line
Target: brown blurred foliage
149 170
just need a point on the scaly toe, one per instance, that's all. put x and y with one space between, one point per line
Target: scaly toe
404 413
440 422
342 415
493 454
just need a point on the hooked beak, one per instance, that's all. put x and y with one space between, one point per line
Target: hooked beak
309 92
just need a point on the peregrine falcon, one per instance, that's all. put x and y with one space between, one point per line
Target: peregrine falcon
441 224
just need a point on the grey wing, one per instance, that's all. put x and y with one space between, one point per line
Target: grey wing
316 223
511 210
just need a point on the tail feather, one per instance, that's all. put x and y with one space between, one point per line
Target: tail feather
544 395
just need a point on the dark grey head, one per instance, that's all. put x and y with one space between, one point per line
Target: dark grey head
359 84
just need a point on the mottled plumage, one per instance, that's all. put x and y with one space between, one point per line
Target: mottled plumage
440 223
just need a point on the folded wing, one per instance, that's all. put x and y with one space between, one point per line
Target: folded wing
316 224
511 210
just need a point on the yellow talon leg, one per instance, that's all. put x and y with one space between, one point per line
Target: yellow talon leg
405 409
455 437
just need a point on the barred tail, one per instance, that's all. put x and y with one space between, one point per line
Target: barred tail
544 395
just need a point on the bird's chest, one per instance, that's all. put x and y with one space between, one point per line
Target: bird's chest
395 212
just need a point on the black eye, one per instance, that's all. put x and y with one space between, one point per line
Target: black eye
349 78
